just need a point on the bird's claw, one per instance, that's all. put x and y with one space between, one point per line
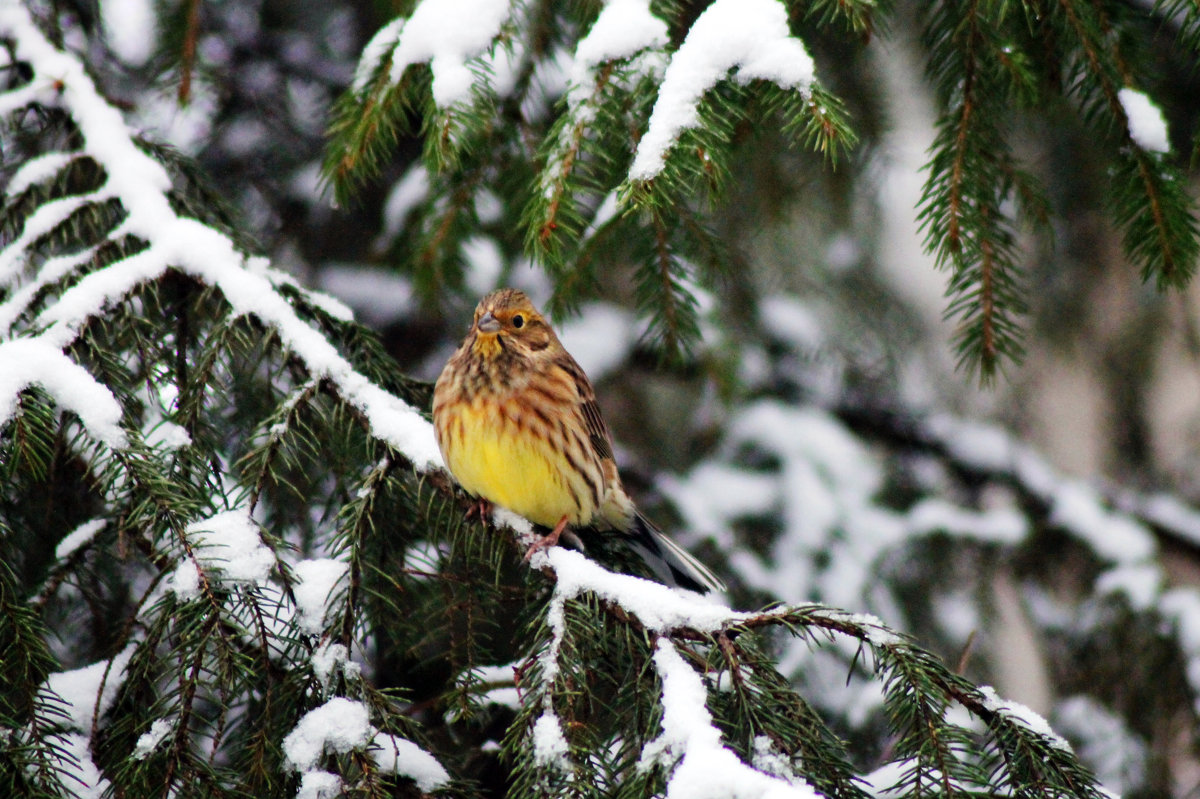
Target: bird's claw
547 541
482 508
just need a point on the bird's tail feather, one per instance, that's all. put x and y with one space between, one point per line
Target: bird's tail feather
669 561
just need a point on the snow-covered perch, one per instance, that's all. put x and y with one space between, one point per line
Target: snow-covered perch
690 747
141 185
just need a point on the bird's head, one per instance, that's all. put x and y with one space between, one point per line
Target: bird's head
506 320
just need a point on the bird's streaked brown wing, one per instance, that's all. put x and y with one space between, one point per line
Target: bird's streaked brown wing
597 430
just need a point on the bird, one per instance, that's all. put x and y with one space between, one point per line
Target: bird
518 425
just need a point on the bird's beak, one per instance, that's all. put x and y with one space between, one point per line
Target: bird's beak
488 324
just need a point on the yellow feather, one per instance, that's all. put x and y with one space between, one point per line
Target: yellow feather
515 470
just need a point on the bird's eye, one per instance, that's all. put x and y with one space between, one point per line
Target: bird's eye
518 321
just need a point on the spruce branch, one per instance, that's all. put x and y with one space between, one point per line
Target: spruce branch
663 293
586 143
1036 760
364 128
1157 217
972 173
412 64
860 16
1184 16
188 334
27 716
974 63
551 214
187 57
920 687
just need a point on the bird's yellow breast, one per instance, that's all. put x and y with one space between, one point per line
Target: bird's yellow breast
493 457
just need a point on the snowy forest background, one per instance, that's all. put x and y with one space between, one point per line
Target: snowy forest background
229 565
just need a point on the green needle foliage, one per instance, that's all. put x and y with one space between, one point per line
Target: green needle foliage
565 162
993 63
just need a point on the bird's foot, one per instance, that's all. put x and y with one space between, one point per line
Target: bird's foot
482 508
546 541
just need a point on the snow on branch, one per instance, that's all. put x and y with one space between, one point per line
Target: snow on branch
34 361
79 699
343 725
140 184
624 28
749 35
1147 127
654 606
45 219
446 34
692 743
690 747
226 546
89 692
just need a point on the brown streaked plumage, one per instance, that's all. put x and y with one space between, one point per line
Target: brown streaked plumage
518 425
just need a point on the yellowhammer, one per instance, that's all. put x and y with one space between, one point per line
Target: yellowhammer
518 425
